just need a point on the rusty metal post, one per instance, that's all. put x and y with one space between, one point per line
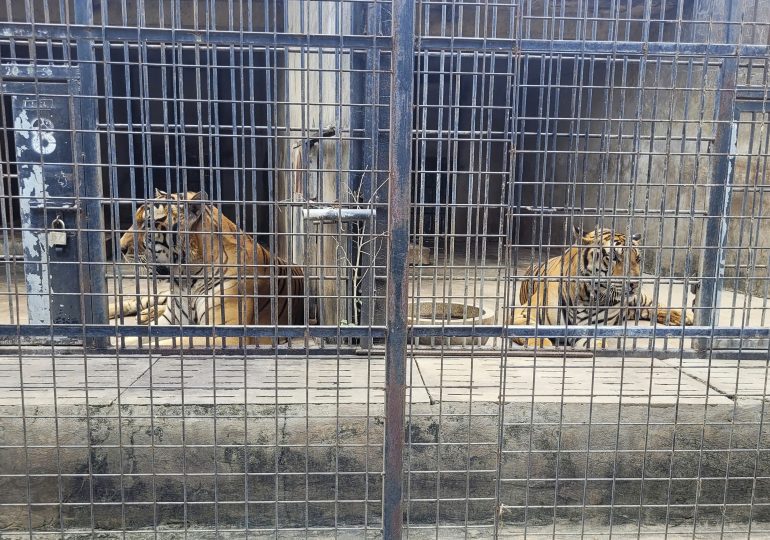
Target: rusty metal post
402 60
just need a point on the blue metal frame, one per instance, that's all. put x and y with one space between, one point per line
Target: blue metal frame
47 183
92 245
79 291
712 264
106 330
549 331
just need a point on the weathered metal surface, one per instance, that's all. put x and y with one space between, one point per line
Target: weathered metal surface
44 152
712 266
88 191
399 190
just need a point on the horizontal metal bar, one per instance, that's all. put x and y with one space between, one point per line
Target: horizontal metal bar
37 72
746 102
71 330
425 43
752 94
587 211
546 46
52 206
203 38
588 331
152 331
338 214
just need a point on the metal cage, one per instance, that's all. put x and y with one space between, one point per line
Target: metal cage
352 267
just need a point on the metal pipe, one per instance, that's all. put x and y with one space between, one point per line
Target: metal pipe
335 215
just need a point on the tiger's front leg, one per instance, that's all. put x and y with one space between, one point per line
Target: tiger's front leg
147 307
151 314
133 342
146 315
664 315
127 306
525 316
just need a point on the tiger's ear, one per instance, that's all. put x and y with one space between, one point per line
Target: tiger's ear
160 194
580 235
577 232
196 206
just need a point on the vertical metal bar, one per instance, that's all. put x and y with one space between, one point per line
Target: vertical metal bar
91 239
713 262
402 59
356 160
375 145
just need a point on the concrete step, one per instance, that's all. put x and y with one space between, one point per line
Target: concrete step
188 440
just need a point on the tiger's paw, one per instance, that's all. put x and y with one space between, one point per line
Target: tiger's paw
533 343
673 317
151 314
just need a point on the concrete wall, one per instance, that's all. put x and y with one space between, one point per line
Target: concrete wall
656 174
622 142
130 465
750 208
636 151
471 108
650 175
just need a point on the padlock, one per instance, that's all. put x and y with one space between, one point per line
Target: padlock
57 236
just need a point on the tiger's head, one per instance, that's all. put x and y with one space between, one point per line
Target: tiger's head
613 261
154 237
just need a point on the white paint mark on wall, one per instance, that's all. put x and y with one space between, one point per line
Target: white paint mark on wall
37 131
31 186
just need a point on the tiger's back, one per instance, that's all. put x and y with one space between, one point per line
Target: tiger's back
544 287
280 290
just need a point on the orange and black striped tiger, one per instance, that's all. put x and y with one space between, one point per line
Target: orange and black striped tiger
215 273
596 281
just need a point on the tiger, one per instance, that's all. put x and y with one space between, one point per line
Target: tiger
595 281
209 271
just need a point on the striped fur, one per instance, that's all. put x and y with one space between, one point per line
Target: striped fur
596 281
215 273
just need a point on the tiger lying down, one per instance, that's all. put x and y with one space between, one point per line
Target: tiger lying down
593 282
208 272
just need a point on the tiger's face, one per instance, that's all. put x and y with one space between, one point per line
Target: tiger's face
614 261
153 238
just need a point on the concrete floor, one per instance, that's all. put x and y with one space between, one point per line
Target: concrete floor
171 379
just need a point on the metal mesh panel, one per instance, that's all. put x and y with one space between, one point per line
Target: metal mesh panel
355 268
227 154
536 118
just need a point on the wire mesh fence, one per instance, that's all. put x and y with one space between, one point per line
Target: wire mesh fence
361 268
